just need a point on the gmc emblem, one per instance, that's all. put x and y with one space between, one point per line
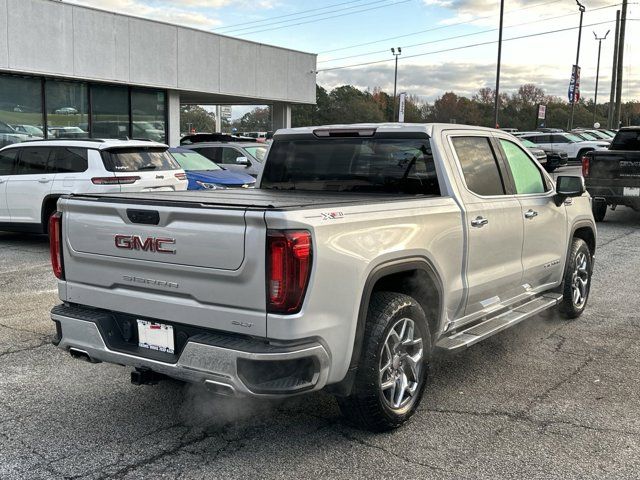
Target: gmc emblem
148 244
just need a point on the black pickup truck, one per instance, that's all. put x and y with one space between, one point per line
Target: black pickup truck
612 176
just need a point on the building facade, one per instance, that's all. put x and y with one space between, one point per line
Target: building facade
68 71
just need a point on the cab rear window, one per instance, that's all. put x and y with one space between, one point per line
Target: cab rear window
138 160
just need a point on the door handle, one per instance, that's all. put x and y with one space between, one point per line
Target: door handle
44 180
479 222
530 214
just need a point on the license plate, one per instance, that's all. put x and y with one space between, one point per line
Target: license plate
155 336
631 191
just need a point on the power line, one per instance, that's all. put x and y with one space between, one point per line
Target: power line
267 19
251 27
466 22
461 36
464 46
324 18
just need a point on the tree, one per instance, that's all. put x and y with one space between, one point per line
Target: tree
258 119
196 118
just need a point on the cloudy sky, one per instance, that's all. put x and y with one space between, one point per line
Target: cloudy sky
447 45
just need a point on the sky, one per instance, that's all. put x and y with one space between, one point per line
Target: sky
435 37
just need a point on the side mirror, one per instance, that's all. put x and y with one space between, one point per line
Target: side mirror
568 186
243 161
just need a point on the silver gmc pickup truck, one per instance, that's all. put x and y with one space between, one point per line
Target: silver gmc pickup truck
365 249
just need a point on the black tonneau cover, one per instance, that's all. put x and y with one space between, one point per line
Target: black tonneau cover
249 198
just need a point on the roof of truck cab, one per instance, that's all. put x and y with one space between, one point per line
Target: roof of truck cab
427 128
93 143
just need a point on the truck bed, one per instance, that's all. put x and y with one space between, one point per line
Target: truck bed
247 199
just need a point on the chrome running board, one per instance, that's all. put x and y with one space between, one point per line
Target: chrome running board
473 334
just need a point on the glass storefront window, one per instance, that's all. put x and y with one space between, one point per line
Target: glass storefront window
148 115
20 109
109 111
67 109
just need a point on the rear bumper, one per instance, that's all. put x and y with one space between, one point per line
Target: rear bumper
230 365
613 195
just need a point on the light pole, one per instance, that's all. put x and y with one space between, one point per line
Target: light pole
575 84
395 80
496 104
595 100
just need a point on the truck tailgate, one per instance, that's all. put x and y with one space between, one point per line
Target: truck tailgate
182 264
615 165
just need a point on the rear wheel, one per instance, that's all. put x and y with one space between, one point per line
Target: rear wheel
577 279
393 369
599 211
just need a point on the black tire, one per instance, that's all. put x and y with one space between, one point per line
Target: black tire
368 406
579 264
599 211
582 152
550 169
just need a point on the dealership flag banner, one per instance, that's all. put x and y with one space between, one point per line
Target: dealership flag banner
574 85
403 97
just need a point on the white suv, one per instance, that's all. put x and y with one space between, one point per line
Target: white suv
33 175
568 143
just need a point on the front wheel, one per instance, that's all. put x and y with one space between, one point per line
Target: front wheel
393 369
577 279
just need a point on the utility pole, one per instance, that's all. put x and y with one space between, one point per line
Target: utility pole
623 23
496 105
395 80
595 100
576 67
614 72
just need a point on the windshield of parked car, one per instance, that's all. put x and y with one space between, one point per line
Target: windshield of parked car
138 160
528 143
573 138
345 164
257 152
194 161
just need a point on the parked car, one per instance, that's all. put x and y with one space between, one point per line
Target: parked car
536 151
66 111
67 132
613 176
595 134
9 135
203 174
574 146
31 131
399 240
142 130
34 175
192 138
241 157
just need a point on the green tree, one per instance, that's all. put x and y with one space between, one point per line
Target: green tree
194 117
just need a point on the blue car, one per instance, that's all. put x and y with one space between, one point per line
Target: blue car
203 174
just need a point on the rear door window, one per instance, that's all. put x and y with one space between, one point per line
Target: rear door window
479 165
138 160
212 153
8 161
34 161
229 156
68 160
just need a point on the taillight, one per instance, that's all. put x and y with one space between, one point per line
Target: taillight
585 166
289 254
55 244
114 180
181 176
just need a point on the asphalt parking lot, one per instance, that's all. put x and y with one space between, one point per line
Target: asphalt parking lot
549 398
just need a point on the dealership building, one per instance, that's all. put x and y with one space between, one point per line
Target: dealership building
72 71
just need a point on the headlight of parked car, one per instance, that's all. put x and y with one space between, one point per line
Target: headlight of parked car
210 186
